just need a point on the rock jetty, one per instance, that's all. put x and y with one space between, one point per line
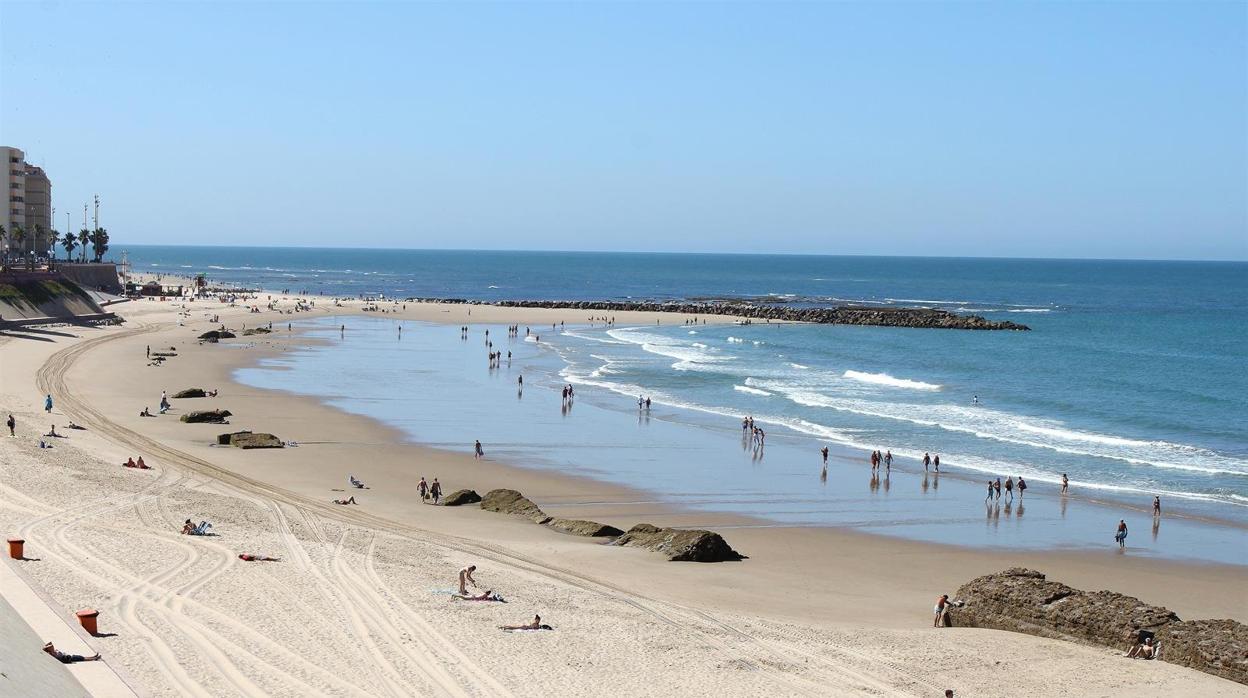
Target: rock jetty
1023 600
930 318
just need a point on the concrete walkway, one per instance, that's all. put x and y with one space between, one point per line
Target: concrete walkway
27 620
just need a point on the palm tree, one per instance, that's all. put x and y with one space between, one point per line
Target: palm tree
99 240
37 242
83 236
69 243
19 237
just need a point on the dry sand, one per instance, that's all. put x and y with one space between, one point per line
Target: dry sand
352 607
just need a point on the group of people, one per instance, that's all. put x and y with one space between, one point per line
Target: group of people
643 404
465 578
432 491
877 459
752 434
994 489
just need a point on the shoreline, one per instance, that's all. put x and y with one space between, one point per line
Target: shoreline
574 496
812 611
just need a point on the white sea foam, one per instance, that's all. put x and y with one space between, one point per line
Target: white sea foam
892 382
751 391
799 366
736 340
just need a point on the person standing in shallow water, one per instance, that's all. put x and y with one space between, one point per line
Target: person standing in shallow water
1121 535
1156 506
1065 483
477 452
990 491
927 460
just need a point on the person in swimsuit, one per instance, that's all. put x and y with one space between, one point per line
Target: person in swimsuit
927 461
477 451
1121 535
248 557
11 424
1022 487
423 488
535 625
465 577
1156 506
435 490
68 658
990 489
936 463
1009 487
1065 483
350 500
824 452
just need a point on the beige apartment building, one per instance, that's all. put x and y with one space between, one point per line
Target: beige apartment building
29 202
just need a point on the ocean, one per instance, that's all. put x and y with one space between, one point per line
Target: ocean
1132 381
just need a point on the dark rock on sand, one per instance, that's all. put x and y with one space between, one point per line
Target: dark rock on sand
461 497
214 335
256 330
581 527
1024 601
1218 647
206 416
680 544
190 392
512 502
247 439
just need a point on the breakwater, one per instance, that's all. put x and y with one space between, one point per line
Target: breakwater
930 318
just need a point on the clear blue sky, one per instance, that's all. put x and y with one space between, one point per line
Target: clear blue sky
1053 130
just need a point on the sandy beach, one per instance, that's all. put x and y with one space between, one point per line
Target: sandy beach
357 604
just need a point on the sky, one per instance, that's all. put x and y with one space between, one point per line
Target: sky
1096 130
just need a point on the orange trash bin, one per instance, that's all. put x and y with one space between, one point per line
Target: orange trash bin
88 619
15 548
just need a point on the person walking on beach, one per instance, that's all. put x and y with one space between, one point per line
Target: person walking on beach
477 451
1009 487
936 463
996 487
1121 535
824 452
888 459
47 404
435 490
1156 506
927 461
990 491
11 424
1065 483
149 351
422 487
1022 487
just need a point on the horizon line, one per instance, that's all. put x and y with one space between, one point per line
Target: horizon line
118 247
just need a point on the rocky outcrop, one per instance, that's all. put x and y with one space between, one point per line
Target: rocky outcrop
680 544
932 318
207 417
190 392
1025 601
214 335
460 498
512 502
256 330
1218 647
249 440
581 527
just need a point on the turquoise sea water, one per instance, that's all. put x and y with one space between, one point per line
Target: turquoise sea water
1132 380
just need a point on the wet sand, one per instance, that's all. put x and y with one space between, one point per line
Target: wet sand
852 606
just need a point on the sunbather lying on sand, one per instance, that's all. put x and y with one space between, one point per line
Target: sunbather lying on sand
351 500
68 658
355 483
53 433
535 625
191 530
487 595
145 413
248 557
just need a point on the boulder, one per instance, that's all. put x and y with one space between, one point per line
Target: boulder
190 392
1218 647
214 335
256 330
581 527
1025 601
512 502
461 497
256 440
680 544
206 417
